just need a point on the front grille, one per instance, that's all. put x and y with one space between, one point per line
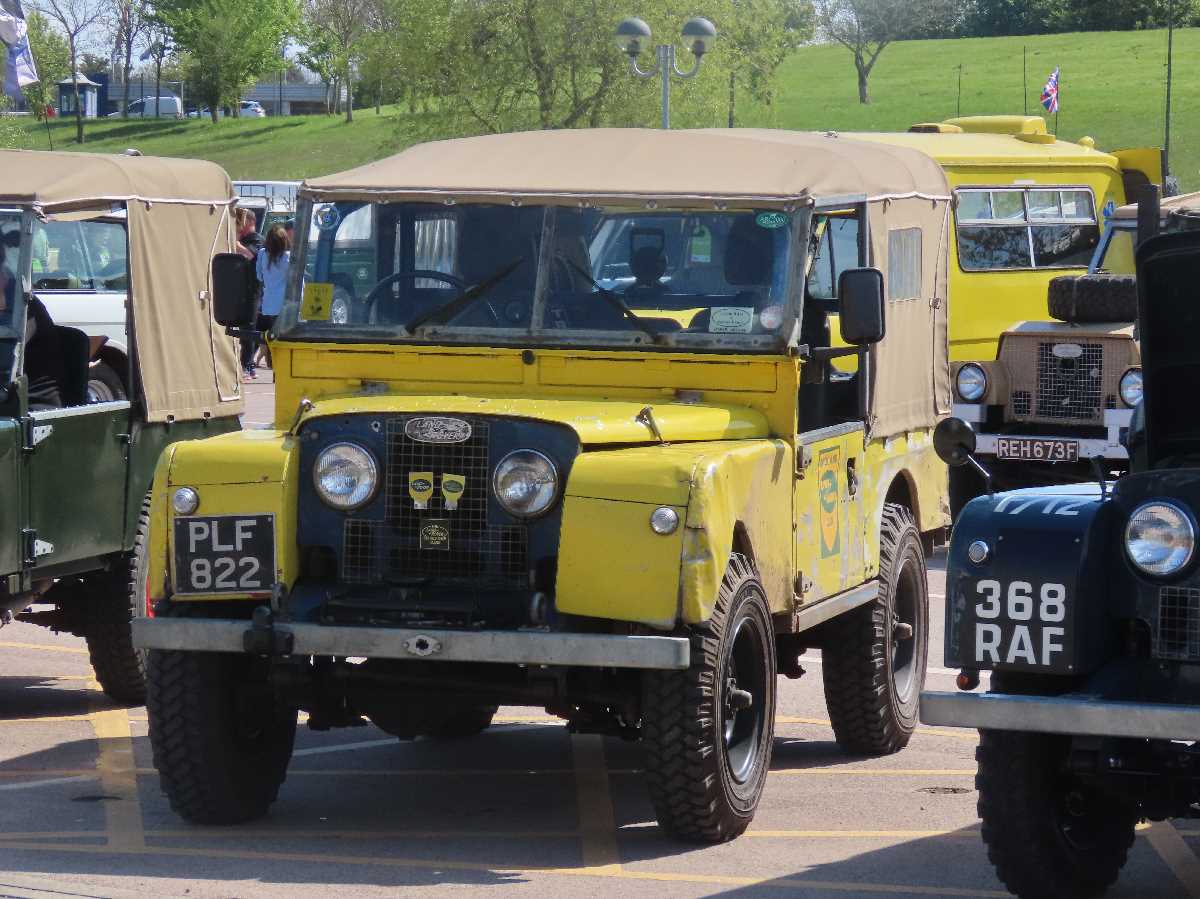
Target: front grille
1177 631
1049 389
392 550
1070 388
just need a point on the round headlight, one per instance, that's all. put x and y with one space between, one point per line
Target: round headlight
525 483
1159 538
1131 387
345 476
971 382
185 501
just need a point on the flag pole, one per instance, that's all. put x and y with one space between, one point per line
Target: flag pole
1024 80
1058 105
958 108
1167 123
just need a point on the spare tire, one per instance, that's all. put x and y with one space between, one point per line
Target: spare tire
1084 299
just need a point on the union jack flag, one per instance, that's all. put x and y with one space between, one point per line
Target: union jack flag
1050 92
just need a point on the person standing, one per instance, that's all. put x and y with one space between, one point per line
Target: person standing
272 268
248 243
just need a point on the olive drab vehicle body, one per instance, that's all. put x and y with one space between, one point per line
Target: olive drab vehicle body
1084 603
500 481
76 467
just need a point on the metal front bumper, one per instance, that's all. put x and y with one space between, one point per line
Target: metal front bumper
1075 714
1107 447
434 645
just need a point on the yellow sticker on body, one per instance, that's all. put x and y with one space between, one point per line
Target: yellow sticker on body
316 302
829 464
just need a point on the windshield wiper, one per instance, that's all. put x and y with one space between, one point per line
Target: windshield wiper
443 314
617 303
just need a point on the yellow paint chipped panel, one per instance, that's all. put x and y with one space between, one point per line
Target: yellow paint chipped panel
239 457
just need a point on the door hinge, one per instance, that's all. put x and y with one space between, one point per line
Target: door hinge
803 459
34 548
851 476
33 434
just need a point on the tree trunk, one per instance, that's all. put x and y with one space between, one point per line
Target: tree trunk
349 95
158 85
863 73
732 95
78 102
128 69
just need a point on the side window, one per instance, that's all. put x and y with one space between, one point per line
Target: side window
904 264
1027 228
79 256
836 252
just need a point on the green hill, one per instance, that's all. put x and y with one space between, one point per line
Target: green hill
1112 89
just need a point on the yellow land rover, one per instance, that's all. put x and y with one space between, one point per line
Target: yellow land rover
583 448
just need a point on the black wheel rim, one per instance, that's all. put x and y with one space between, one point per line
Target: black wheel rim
99 392
1081 825
745 671
904 611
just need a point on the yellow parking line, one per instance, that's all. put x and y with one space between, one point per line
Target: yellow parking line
860 834
118 777
605 871
597 823
47 719
90 677
970 735
1177 854
46 647
875 772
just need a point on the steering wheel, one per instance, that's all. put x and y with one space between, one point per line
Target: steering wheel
376 292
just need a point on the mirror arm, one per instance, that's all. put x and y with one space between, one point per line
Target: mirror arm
243 333
823 353
983 472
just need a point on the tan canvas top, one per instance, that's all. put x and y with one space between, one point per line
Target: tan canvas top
177 217
1184 204
686 168
50 181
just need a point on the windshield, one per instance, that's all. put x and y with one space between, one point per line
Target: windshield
74 256
517 274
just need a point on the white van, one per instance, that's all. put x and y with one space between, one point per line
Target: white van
168 108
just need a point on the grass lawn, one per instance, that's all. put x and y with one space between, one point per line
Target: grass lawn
1112 90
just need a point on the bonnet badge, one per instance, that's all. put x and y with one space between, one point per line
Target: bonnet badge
437 429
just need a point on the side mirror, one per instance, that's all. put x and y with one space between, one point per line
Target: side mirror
233 300
954 441
860 292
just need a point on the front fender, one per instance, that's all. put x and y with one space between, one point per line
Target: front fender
243 472
613 566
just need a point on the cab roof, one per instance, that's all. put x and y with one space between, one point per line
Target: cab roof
61 181
1184 204
696 168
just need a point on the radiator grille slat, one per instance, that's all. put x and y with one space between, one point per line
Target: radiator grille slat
392 551
1177 630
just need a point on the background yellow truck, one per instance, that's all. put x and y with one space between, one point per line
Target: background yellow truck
501 481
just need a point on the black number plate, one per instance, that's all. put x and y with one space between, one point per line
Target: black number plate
1036 449
224 553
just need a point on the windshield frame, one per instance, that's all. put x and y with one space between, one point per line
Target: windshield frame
289 327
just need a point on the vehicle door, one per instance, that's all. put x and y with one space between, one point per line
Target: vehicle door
830 448
75 455
12 510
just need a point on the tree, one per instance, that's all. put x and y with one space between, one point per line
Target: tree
230 42
129 23
866 27
53 59
343 25
755 37
77 19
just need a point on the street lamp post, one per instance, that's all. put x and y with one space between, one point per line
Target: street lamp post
698 35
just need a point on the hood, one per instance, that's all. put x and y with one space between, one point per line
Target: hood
595 421
1168 270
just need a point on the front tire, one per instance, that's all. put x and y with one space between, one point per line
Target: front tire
707 731
1047 836
874 657
221 740
104 384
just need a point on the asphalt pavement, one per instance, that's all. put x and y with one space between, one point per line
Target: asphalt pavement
525 805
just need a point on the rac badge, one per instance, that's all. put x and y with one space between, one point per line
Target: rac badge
829 463
437 429
435 534
453 486
420 488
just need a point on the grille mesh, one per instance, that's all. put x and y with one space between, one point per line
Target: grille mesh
1177 634
1048 389
391 550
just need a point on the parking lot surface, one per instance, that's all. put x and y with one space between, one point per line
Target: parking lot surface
526 806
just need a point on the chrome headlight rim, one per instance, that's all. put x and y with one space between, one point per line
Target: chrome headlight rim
1188 525
372 465
1131 373
555 480
972 396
